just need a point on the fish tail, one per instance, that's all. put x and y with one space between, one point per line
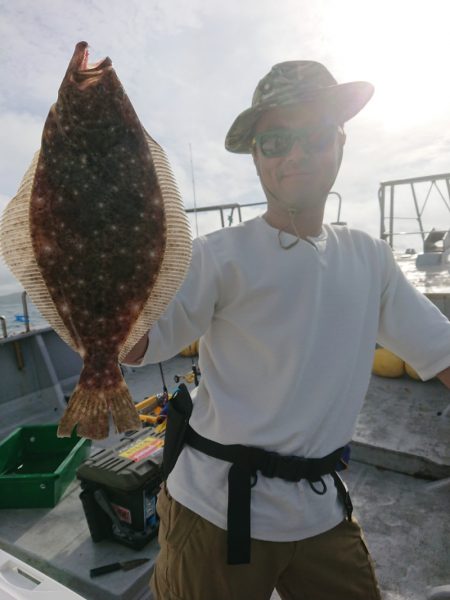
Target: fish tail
122 408
89 408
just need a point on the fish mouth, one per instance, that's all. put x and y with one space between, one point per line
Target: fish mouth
80 59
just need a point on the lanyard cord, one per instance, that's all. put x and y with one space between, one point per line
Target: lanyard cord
280 231
291 211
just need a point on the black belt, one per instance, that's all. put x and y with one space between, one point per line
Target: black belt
246 461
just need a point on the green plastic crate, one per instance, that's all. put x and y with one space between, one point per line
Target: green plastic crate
36 466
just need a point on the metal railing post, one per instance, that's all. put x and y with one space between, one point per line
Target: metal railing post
381 201
25 312
416 204
3 321
391 218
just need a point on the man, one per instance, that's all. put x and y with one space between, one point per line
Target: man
289 311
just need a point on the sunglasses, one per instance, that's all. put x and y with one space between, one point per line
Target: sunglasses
279 142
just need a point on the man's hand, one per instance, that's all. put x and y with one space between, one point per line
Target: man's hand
136 354
444 376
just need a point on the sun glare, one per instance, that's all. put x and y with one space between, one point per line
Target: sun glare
402 48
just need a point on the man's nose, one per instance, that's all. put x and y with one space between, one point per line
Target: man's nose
298 151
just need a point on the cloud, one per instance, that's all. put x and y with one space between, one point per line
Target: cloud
190 67
22 134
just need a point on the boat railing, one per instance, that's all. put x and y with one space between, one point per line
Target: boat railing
237 207
387 200
24 317
221 208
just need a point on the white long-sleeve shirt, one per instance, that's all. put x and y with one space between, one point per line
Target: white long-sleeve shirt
287 342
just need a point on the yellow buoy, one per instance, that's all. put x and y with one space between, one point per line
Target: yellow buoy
412 373
191 350
387 364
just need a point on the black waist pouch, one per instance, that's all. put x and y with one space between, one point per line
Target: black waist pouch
178 415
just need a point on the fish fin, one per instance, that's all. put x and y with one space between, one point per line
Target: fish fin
89 410
16 248
123 411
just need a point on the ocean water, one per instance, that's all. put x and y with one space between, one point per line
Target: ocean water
11 308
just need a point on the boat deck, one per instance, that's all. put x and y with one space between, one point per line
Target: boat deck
405 521
399 480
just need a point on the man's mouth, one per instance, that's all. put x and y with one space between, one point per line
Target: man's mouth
296 174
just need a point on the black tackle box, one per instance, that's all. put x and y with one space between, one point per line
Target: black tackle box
119 489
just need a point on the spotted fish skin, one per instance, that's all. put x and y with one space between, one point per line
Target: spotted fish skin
98 232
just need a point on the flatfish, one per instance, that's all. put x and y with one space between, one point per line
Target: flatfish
98 236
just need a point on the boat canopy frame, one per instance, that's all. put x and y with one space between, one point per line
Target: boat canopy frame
386 198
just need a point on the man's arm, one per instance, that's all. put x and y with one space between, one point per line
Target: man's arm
187 316
411 326
444 376
136 354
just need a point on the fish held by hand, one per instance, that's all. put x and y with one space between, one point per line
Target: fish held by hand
105 242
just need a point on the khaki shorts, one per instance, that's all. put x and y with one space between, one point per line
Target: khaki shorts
191 565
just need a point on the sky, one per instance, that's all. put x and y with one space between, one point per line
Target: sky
191 66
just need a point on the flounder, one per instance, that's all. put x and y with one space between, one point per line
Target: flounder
98 236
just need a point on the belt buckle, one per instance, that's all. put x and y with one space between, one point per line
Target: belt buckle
299 461
271 464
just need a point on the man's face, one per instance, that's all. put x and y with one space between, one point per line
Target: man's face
303 177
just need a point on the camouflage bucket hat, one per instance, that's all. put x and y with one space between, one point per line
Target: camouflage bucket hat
295 82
